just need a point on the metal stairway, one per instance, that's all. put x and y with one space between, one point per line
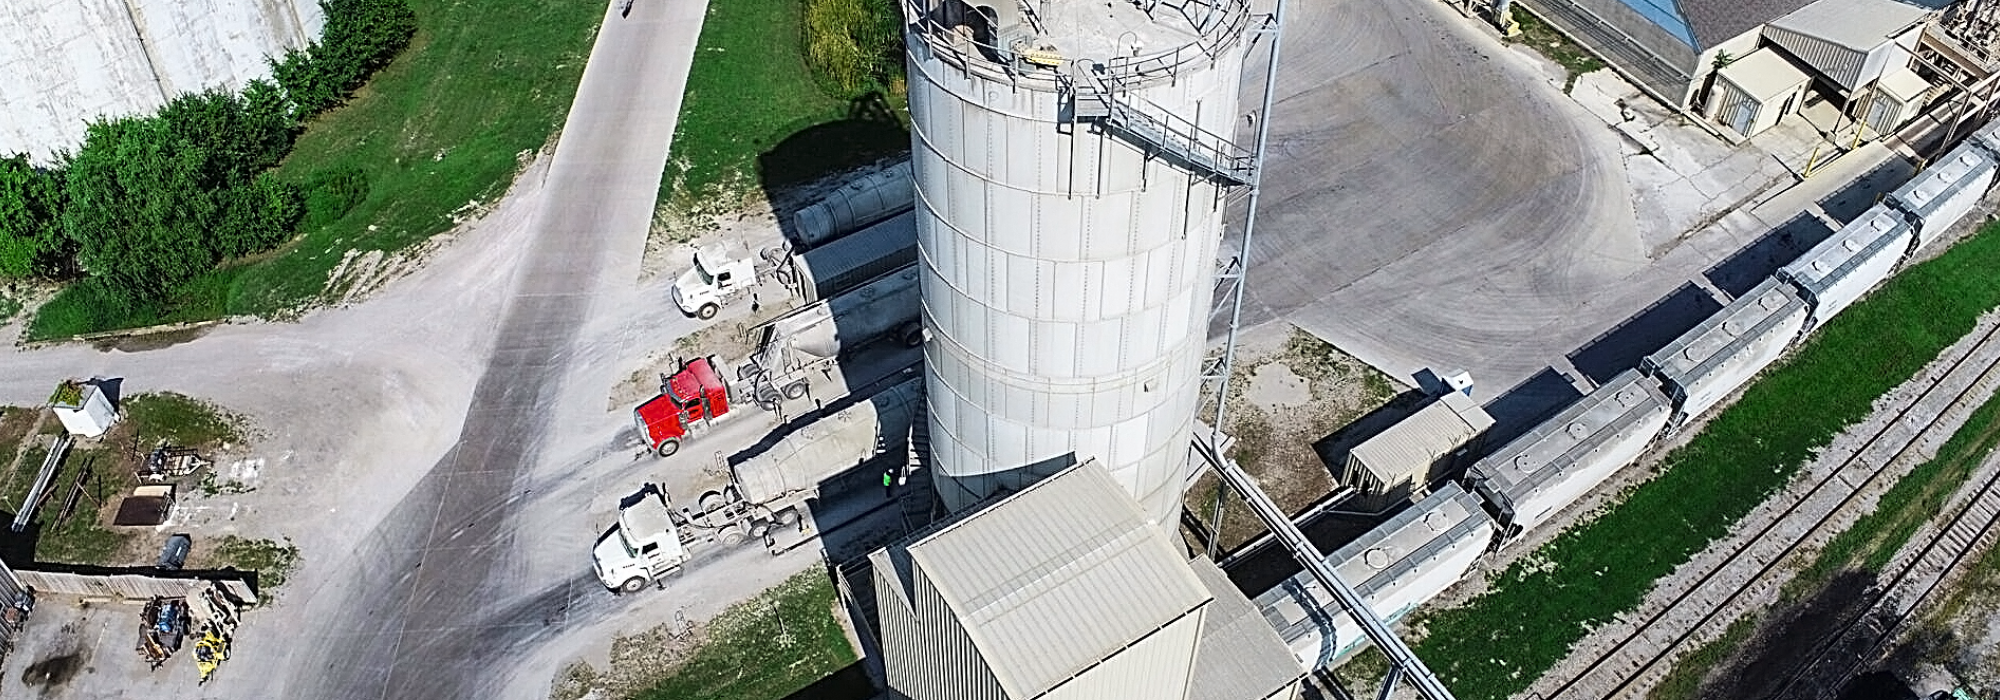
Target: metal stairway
917 495
1162 135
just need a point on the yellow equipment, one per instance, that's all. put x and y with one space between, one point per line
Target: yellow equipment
210 651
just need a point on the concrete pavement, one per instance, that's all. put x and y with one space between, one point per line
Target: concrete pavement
438 597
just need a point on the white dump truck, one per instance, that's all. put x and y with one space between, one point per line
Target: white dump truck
767 493
817 259
812 338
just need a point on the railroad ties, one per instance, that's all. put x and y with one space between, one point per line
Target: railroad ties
1744 571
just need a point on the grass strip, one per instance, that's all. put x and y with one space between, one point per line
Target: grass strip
444 125
1684 682
754 116
1499 642
1555 46
767 647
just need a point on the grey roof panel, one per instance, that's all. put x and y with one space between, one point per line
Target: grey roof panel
1058 577
1240 655
1859 25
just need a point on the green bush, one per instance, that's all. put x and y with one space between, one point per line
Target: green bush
360 37
31 239
333 192
150 204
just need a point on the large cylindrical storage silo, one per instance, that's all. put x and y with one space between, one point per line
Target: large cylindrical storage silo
1069 187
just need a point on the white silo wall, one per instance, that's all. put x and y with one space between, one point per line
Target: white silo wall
1068 278
68 62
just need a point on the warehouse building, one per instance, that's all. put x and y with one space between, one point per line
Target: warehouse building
1064 591
1746 64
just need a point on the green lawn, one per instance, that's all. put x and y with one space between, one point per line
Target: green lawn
764 648
1498 643
443 125
754 117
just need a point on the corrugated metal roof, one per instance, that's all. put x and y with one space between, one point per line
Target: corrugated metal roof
1859 25
1764 75
1240 656
1416 442
1058 577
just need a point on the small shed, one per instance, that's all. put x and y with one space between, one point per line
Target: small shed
1754 92
1850 43
83 408
1898 98
1398 462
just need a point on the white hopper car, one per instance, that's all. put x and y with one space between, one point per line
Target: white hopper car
1552 465
1835 273
1942 194
1702 366
1395 567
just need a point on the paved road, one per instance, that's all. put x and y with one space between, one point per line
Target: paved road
437 601
1429 199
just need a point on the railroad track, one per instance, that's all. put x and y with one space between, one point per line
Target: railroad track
1894 601
1637 659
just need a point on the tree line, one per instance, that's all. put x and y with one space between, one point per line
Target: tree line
147 203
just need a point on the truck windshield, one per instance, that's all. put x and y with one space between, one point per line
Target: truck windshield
701 270
626 542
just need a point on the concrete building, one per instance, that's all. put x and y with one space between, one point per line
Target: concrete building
1721 58
71 61
1063 590
1396 464
1071 162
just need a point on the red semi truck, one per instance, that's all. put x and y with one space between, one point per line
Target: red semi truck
690 400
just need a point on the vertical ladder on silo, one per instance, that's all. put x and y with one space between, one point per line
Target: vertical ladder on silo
1093 98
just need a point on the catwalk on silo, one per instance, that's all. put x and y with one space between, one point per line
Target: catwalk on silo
1071 162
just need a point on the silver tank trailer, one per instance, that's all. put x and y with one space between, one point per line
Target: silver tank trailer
1071 160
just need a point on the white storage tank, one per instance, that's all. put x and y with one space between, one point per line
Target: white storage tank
1725 351
83 408
857 204
1396 567
1941 195
1547 469
1071 160
1840 269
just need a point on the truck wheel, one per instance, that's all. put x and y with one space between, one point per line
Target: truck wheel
786 517
733 535
632 585
707 311
913 336
668 447
795 390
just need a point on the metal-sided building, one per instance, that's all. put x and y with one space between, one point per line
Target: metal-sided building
1071 160
1397 566
1942 194
1707 363
16 600
1840 269
1569 454
1397 463
1063 590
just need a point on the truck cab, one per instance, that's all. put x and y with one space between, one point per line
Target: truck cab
717 275
644 547
690 399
